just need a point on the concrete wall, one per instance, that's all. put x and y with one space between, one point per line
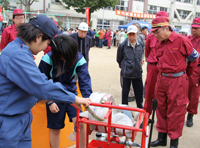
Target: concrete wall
138 7
161 3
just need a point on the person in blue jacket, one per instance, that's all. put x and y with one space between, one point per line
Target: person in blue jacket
61 65
22 84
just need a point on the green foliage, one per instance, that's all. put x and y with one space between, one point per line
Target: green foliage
94 5
90 23
5 4
60 23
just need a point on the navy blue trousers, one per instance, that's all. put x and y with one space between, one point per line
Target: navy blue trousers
138 90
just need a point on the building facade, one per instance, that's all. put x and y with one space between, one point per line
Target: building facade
181 12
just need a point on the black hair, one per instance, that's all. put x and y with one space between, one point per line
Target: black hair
65 29
29 33
143 28
67 50
170 28
17 15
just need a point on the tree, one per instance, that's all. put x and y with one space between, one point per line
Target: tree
5 4
27 3
60 23
94 5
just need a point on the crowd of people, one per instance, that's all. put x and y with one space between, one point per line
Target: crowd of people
105 37
108 37
173 74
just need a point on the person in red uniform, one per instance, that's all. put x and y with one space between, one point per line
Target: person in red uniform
152 70
10 33
194 79
177 60
109 38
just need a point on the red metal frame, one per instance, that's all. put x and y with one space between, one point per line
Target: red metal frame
143 114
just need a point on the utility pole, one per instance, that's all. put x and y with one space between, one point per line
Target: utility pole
44 6
130 4
145 9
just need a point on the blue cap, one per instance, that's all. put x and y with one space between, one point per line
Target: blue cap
46 25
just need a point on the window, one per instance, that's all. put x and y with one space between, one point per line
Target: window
121 23
163 9
123 5
198 2
154 9
55 2
185 1
104 25
197 14
183 14
137 19
139 0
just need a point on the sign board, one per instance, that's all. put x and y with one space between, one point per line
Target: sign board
134 14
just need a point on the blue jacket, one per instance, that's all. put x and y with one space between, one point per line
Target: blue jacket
129 60
88 42
93 34
47 65
22 83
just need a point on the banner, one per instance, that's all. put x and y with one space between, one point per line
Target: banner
1 16
134 14
88 15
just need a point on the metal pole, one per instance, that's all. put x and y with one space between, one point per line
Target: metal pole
103 20
154 107
66 22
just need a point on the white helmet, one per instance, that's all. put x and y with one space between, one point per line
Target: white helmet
83 26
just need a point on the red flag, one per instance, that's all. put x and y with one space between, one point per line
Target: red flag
87 15
1 16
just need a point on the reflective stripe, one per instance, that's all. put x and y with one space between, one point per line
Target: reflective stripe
160 24
172 74
48 60
80 62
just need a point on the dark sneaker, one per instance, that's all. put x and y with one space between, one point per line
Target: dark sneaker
130 99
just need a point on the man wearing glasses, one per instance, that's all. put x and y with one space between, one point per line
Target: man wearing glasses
177 60
130 55
152 70
194 79
10 33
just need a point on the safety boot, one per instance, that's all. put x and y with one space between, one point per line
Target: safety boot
174 143
161 141
189 122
